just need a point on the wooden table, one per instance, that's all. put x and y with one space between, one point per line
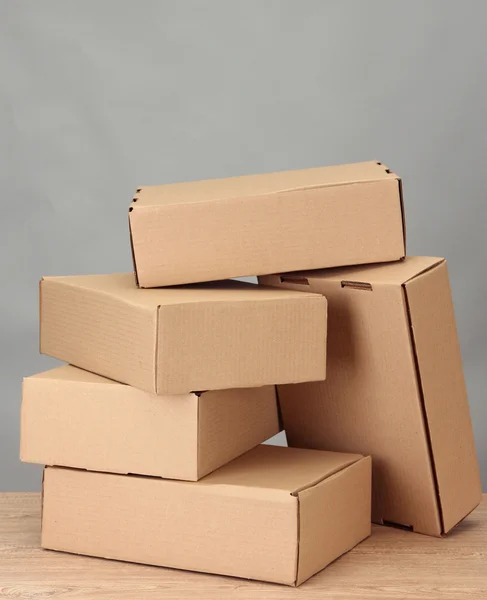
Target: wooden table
392 564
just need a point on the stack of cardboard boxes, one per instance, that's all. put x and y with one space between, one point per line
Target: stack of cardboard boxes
152 433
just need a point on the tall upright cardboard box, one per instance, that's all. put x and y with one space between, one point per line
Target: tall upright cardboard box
395 390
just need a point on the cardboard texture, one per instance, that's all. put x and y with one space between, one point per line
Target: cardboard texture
258 224
177 340
73 418
395 390
274 514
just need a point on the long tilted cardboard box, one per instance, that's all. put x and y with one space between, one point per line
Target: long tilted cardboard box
274 514
221 335
74 418
395 390
258 224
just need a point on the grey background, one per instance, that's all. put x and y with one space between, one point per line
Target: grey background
98 97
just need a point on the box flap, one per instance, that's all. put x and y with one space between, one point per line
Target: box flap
255 185
271 468
444 394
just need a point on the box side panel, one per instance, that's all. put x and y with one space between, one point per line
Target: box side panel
304 229
230 422
99 333
224 345
334 516
370 402
172 524
444 394
113 428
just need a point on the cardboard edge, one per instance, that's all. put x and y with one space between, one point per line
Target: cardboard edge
280 420
298 542
42 504
134 262
157 343
401 202
423 407
403 217
197 396
40 315
22 408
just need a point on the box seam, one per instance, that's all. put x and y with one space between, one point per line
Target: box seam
42 497
40 314
134 262
403 214
298 540
198 436
156 350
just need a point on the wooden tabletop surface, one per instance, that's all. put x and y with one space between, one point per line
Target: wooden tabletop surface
392 564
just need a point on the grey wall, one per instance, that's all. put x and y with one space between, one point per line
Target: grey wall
99 97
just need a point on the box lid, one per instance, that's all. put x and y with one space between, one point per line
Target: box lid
255 185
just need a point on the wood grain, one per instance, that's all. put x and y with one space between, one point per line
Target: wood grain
391 565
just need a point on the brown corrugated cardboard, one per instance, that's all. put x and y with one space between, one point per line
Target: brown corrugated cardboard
221 335
395 390
258 224
73 418
274 514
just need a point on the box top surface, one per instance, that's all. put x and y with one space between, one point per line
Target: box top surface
263 184
122 286
280 468
396 273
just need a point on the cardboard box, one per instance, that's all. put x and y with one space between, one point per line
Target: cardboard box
395 390
258 224
274 514
173 341
73 418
